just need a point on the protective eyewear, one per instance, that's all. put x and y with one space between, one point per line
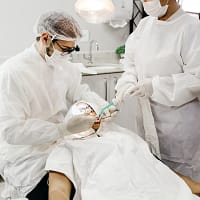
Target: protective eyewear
67 50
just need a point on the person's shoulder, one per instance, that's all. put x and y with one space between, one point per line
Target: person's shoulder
191 25
186 21
145 20
190 19
9 65
13 63
16 66
141 25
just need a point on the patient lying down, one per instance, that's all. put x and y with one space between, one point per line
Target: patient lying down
115 166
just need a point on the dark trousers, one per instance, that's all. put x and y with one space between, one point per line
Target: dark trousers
40 192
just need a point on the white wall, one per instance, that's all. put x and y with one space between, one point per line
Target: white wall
18 16
191 6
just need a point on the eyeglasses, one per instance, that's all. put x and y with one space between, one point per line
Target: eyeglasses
67 50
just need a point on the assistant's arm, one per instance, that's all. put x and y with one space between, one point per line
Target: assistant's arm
181 88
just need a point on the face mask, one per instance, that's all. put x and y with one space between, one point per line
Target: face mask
154 8
56 58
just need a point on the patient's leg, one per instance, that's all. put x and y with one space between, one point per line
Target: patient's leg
194 186
59 186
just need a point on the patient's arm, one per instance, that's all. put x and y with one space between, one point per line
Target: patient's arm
60 186
194 186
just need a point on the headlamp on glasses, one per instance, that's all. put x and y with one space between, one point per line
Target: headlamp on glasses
67 50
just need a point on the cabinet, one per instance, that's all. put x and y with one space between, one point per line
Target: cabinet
104 84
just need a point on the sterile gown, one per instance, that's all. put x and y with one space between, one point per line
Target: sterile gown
34 99
169 53
115 166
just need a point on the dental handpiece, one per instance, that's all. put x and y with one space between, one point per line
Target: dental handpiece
114 103
105 108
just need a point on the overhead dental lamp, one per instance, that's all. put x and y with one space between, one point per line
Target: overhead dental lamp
94 11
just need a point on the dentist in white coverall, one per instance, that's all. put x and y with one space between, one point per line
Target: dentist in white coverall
37 88
162 70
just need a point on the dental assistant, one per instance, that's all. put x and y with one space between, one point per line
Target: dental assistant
37 87
162 70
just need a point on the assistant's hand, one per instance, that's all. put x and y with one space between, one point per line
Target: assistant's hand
79 123
122 92
142 89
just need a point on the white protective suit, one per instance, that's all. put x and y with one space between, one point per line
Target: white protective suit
34 99
169 53
116 166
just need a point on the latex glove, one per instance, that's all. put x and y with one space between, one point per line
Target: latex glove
142 89
110 113
79 123
122 92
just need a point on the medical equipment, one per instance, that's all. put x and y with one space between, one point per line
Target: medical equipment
107 112
105 108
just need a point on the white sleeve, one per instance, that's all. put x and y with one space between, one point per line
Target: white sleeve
178 89
15 125
129 77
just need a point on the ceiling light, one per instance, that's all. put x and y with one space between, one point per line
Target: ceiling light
95 11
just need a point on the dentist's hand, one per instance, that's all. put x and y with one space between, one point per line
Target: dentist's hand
79 123
109 114
142 89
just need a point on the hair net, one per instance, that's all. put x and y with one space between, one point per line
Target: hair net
59 25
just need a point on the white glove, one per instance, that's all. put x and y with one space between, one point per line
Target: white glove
122 92
142 89
109 114
79 123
